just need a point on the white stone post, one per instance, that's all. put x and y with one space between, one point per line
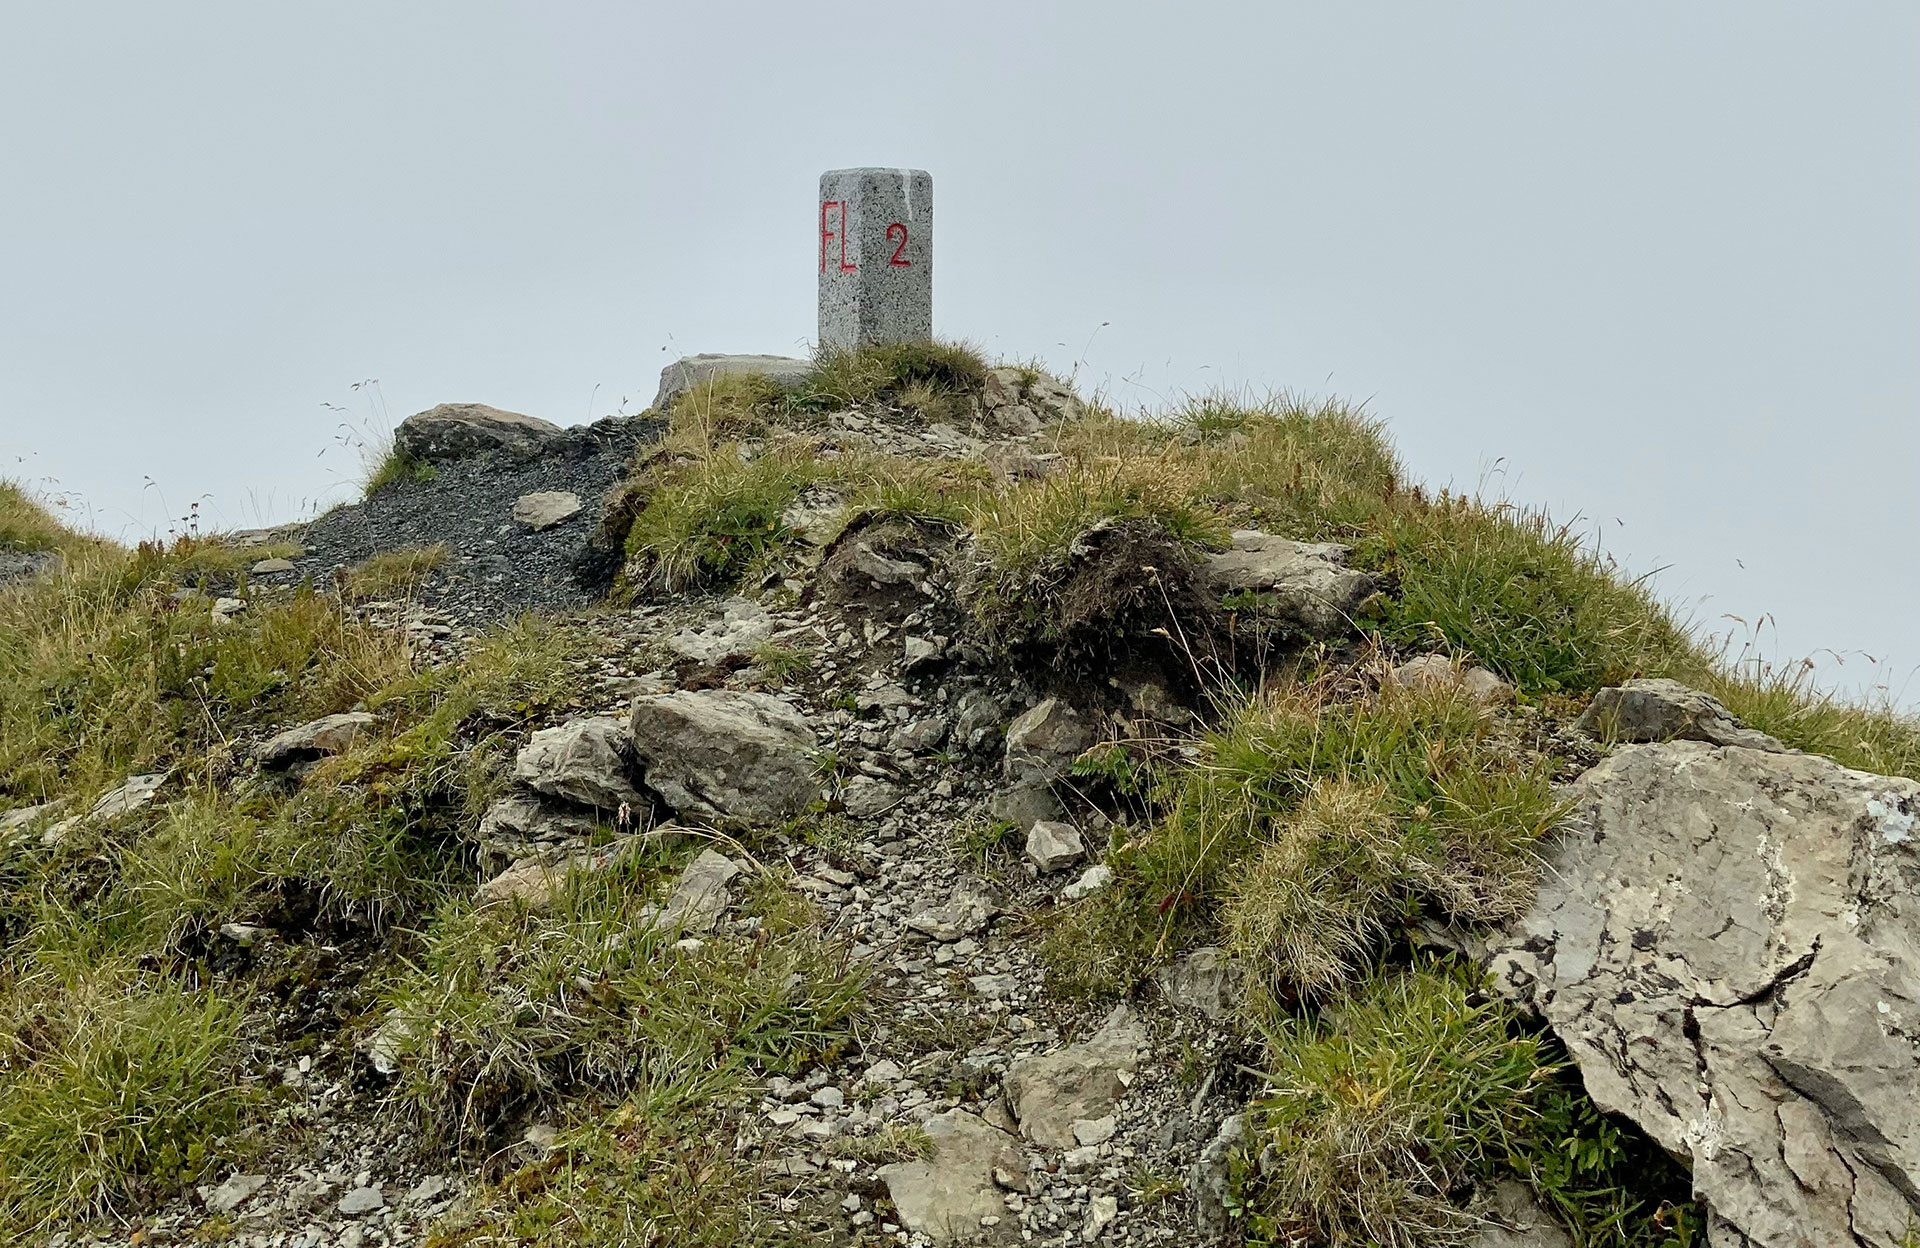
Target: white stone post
875 256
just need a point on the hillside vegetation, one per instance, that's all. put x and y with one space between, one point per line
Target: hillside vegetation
1310 818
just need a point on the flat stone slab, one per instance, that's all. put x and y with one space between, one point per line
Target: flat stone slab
946 1197
545 509
689 371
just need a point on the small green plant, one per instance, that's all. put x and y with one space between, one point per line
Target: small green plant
394 467
779 663
978 839
894 1142
1376 1110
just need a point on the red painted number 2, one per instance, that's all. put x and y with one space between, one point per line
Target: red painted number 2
895 233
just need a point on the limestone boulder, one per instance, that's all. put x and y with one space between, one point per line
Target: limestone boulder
1052 845
726 754
1305 584
456 430
699 897
584 761
1727 941
1052 1094
330 734
947 1196
1666 710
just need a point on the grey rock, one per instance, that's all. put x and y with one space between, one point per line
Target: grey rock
724 754
730 638
236 1191
1436 671
1044 741
19 820
700 896
1050 1092
979 718
1052 845
1725 940
1023 400
1512 1218
818 516
455 430
1210 1177
523 819
919 736
1308 584
1101 1212
136 792
884 569
1094 879
967 911
945 1197
689 371
361 1201
329 734
546 508
271 567
866 798
584 761
1666 710
1025 805
1202 980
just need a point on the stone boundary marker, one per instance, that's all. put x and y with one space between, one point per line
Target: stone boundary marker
875 256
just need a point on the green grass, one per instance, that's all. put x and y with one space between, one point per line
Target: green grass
102 673
652 1171
25 525
1378 1108
508 1007
926 377
393 467
392 573
114 1091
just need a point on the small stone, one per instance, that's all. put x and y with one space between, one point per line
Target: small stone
829 1098
269 567
361 1201
884 1071
1051 845
1101 1211
1094 1131
1091 881
236 1191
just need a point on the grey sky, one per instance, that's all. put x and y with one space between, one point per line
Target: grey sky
1650 262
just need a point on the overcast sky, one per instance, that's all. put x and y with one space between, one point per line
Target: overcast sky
1656 266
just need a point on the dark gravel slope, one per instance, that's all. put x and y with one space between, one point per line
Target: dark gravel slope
497 567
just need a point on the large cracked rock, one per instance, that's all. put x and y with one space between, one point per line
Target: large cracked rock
724 754
454 430
1307 584
1727 940
583 761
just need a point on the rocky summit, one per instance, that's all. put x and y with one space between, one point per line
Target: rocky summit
888 799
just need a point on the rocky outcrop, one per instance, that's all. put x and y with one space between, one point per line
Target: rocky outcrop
689 371
726 754
1727 940
1022 400
1305 584
584 761
330 734
456 430
1666 710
